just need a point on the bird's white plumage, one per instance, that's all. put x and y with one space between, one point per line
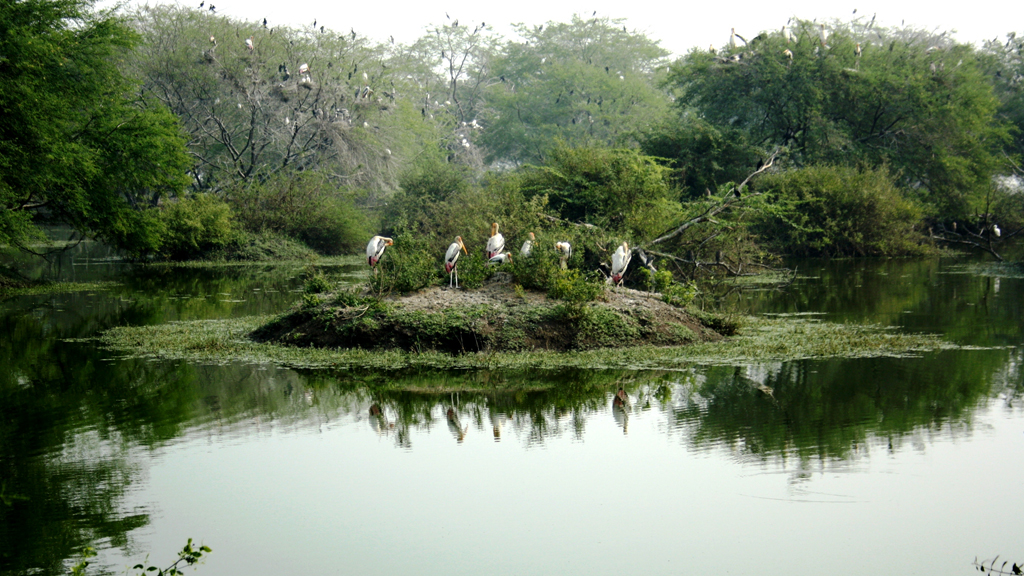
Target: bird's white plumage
620 260
527 246
451 258
375 249
505 258
565 252
496 243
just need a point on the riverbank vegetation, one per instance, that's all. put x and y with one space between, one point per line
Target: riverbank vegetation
198 136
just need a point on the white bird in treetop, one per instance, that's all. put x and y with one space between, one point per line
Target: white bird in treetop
505 258
451 259
248 43
496 243
620 260
996 230
788 34
375 249
304 68
565 251
528 245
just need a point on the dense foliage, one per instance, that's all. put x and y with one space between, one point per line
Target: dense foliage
78 145
919 104
580 132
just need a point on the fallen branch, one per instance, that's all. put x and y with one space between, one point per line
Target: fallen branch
729 200
558 220
970 243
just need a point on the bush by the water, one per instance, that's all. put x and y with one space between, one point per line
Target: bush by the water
839 211
195 225
305 206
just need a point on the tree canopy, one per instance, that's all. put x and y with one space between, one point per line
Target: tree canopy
854 94
78 145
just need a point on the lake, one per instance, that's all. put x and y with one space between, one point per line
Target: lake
847 466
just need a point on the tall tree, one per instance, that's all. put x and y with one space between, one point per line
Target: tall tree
78 145
849 94
587 82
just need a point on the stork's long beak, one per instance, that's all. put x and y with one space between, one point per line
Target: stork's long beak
463 246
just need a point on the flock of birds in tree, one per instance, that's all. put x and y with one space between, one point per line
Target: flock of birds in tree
787 34
496 254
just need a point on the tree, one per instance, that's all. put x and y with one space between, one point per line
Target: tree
78 145
913 101
588 82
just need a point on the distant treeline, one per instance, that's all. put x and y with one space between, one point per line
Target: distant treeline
190 134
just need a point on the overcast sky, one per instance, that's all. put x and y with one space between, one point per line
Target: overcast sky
678 25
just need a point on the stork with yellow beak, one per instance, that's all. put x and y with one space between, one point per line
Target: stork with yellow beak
496 243
375 249
451 259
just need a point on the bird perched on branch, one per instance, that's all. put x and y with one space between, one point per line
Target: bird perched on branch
451 259
496 243
620 260
375 249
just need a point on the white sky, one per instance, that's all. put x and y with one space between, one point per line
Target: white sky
677 25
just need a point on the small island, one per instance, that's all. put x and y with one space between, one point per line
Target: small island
498 317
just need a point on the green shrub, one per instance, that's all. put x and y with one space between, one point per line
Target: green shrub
195 225
305 206
311 301
473 270
576 291
260 246
317 282
619 190
838 211
678 294
407 266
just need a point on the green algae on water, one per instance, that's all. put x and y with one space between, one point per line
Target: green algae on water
759 340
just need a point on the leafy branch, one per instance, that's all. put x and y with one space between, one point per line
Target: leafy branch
188 556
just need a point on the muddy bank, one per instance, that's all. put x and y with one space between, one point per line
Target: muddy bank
495 318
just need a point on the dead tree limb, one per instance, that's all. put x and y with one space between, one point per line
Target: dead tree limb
560 220
971 243
732 199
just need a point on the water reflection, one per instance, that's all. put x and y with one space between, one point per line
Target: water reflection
77 426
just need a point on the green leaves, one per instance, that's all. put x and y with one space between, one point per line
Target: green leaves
915 102
588 82
77 147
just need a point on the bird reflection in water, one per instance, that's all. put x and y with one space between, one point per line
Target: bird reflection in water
455 426
497 421
379 421
620 409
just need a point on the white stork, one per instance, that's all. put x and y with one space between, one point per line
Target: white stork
565 251
375 249
496 243
451 259
248 43
527 246
620 260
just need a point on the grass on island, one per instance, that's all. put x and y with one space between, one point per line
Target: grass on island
760 340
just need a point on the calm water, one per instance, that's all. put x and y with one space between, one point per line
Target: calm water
868 466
